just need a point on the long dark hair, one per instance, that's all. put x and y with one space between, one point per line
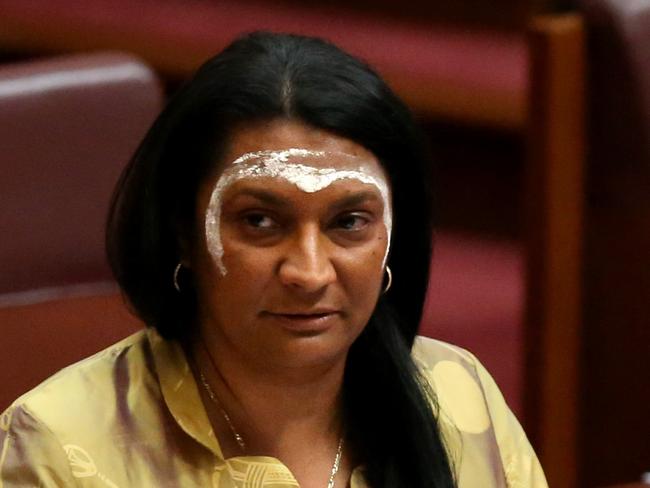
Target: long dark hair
389 409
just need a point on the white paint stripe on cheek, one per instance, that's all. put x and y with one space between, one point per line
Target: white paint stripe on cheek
307 178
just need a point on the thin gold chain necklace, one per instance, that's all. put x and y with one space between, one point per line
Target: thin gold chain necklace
215 400
240 440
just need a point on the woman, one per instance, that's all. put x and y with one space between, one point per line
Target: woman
273 230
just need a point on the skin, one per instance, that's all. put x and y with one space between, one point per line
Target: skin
304 275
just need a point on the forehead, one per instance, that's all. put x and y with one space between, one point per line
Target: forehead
301 173
312 147
287 152
281 192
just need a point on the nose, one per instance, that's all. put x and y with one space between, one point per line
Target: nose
307 264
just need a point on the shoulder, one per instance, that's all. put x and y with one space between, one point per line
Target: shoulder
428 352
40 431
461 384
72 392
457 380
471 402
448 367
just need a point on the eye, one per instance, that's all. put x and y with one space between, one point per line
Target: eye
352 222
258 220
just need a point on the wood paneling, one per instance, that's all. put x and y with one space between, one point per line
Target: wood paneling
555 197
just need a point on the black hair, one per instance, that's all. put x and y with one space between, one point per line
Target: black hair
389 409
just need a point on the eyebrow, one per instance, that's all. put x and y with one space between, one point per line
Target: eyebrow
264 196
271 198
356 199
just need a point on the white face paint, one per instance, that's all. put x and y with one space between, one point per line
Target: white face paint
289 165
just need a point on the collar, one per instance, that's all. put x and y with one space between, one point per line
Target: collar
180 391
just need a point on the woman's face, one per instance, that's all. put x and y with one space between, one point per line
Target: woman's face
293 235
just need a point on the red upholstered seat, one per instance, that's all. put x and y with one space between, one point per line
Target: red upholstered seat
69 125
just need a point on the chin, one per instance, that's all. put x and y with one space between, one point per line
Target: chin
303 352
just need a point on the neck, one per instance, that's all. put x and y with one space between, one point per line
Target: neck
273 408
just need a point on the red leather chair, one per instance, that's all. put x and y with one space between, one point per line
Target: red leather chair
68 127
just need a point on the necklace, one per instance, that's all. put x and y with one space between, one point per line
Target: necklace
240 440
337 463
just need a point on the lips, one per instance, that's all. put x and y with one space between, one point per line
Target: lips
308 321
314 311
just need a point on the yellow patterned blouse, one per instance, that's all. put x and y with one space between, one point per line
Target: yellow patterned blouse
131 416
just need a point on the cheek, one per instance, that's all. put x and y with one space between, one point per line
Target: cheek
250 274
235 296
362 269
245 273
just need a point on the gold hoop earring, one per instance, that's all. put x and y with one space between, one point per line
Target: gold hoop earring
390 280
176 271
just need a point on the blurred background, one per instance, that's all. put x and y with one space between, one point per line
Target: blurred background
538 115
